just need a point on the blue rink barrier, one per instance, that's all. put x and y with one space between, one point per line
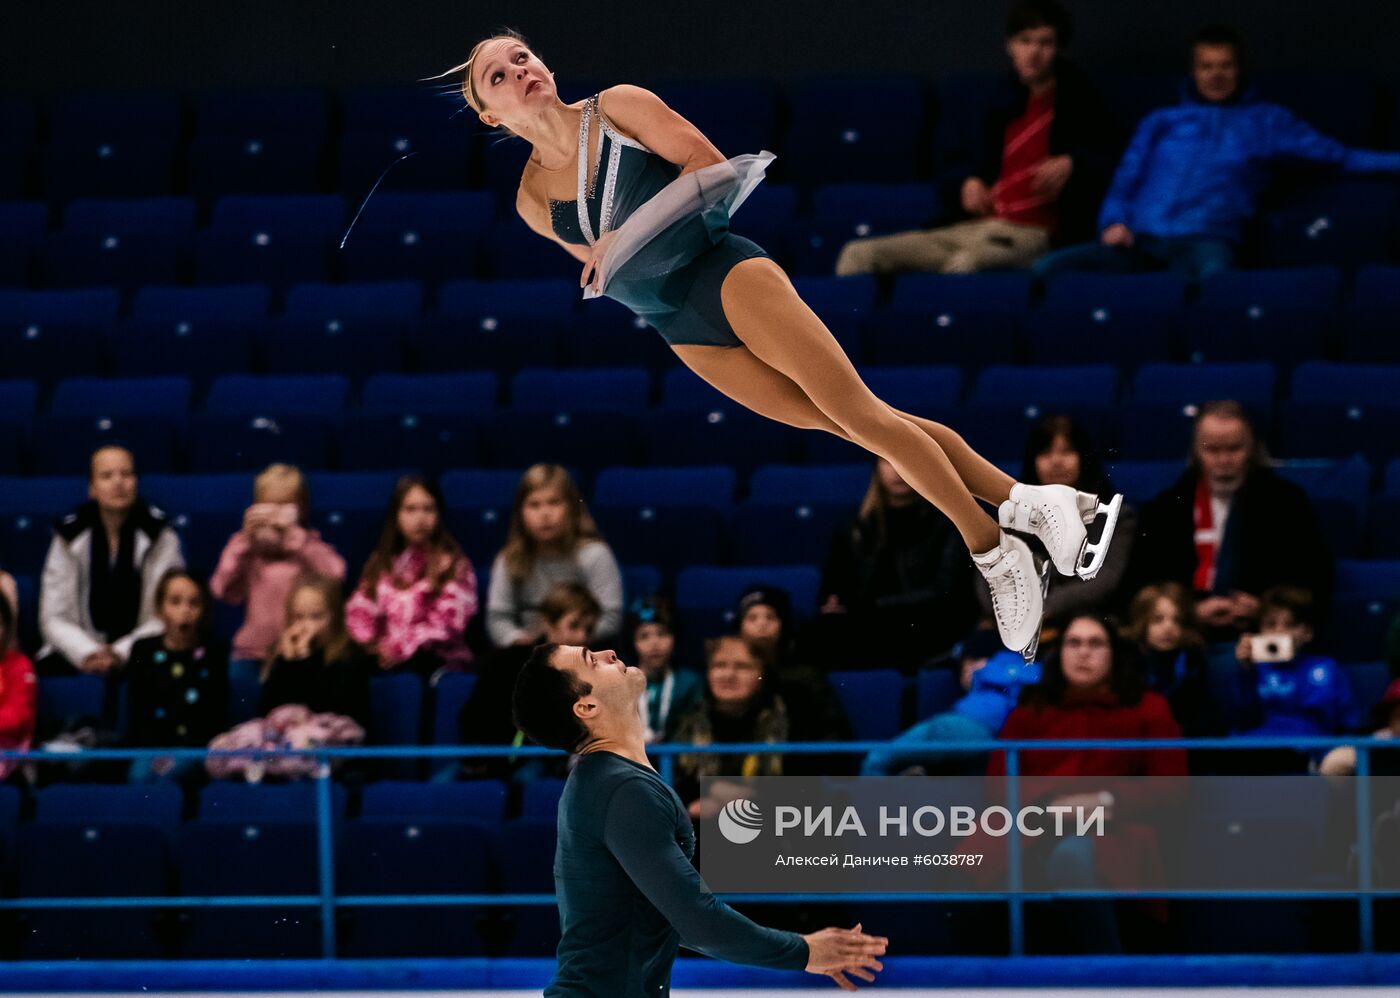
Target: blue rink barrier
327 900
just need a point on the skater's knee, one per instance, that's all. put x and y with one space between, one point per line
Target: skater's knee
876 428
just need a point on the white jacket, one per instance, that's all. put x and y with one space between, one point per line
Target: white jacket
64 593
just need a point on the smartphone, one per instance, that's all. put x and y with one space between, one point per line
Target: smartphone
1271 647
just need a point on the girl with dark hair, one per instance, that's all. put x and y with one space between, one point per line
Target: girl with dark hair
641 198
418 590
552 539
177 681
1061 451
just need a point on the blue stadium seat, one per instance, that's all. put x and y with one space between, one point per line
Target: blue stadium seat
322 216
1252 383
602 390
1383 527
768 534
249 395
712 487
218 442
9 825
640 580
63 699
356 348
24 541
77 260
279 240
274 804
227 493
430 442
396 717
1357 625
586 441
256 162
352 532
27 587
452 691
880 207
835 136
480 489
737 437
604 333
872 701
1348 222
168 397
435 157
105 157
541 797
1350 384
26 224
352 490
42 496
1370 316
17 125
817 484
1140 481
155 805
63 445
387 300
424 236
682 390
669 536
92 860
230 304
1340 409
272 857
706 595
1348 479
514 252
503 344
405 856
768 214
969 320
525 860
932 391
163 216
200 351
1087 386
482 801
52 334
262 111
708 104
1373 579
1285 315
19 399
1343 103
488 301
845 305
936 691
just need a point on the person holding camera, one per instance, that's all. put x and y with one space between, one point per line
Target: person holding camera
273 548
1283 690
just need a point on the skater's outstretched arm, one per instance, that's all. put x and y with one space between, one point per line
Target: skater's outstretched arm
640 830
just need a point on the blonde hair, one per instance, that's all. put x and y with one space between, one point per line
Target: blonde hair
336 644
288 478
469 93
520 550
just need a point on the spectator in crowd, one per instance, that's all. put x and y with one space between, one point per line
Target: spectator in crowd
260 562
418 591
671 691
1061 451
1092 687
764 615
314 662
98 593
552 539
570 614
177 682
1162 624
740 704
1285 691
1341 761
19 693
896 587
1230 528
1190 179
1030 167
991 679
1392 648
9 591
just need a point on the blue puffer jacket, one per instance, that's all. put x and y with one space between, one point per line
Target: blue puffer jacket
1197 168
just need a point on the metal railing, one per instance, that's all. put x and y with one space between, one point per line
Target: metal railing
327 901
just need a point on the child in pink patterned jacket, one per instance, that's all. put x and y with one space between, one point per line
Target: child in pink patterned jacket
418 590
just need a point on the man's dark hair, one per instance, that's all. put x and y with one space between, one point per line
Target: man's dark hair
1028 14
1218 34
543 703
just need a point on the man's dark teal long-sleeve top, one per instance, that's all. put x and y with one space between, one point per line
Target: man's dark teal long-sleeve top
629 895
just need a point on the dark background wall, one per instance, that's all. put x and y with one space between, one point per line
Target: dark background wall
55 46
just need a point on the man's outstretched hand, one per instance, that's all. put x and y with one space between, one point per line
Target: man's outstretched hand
838 952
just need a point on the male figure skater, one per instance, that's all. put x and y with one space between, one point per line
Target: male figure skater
628 894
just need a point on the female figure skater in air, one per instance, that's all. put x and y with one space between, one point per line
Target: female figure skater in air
642 199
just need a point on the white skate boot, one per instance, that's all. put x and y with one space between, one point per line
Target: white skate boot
1018 587
1060 517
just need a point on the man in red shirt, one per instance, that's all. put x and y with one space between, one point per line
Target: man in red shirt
1032 158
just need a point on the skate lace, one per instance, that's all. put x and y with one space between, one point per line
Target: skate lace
1006 594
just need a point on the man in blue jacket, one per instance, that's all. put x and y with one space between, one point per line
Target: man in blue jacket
1191 175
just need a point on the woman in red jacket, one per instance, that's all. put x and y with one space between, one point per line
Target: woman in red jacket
1093 688
18 692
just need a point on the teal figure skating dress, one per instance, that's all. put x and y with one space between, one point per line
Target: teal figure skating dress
672 247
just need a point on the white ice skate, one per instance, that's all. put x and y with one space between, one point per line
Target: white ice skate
1061 517
1018 584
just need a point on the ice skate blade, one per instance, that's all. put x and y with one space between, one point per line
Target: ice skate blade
1029 652
1095 553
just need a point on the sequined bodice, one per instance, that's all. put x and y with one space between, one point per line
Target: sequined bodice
624 174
